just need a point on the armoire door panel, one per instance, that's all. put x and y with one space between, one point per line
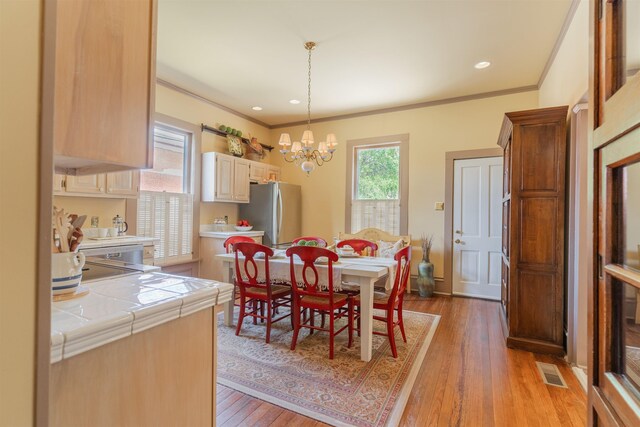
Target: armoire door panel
538 236
536 289
538 157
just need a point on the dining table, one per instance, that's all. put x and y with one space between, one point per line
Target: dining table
360 271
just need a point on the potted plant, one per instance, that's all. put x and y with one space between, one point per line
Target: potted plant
426 284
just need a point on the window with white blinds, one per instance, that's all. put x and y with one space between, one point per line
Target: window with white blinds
165 206
169 218
378 184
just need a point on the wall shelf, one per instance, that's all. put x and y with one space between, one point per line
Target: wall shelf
219 132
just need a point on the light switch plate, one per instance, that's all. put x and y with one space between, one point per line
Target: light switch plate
439 206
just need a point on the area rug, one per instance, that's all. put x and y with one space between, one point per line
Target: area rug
344 391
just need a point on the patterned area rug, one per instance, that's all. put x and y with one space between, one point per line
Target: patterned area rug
344 391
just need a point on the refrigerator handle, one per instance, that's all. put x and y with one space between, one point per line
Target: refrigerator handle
279 214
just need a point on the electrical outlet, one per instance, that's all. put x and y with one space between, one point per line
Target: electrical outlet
439 206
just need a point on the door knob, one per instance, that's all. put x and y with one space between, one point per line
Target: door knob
458 232
458 241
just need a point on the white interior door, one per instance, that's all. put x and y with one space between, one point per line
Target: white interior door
477 227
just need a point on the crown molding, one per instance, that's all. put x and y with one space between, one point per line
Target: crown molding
184 91
424 104
412 106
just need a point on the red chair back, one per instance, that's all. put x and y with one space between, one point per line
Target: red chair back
359 245
228 244
309 255
247 268
403 270
321 242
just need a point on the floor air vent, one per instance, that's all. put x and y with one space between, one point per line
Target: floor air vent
551 375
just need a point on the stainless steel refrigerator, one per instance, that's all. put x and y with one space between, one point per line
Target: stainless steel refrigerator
275 209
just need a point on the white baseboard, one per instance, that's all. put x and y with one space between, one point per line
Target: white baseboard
581 375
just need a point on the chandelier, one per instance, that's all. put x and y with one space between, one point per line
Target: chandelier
302 152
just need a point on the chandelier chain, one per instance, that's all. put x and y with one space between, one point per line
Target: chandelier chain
309 93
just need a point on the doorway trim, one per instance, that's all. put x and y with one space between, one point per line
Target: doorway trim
450 157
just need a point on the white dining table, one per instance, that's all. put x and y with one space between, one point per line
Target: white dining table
363 271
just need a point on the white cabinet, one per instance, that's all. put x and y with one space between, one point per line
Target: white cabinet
224 178
85 184
113 184
258 172
241 181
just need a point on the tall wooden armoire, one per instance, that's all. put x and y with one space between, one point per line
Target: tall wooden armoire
533 232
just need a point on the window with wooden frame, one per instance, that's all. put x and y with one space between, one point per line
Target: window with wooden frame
614 354
165 207
377 187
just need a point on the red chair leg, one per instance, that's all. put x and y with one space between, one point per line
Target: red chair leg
254 310
269 312
322 323
392 338
262 311
313 317
401 324
350 320
296 326
241 315
358 326
331 320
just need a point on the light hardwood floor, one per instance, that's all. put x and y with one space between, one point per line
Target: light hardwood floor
468 378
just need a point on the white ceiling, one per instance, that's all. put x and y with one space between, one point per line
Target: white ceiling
370 54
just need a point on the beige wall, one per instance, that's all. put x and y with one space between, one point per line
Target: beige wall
432 132
19 83
104 209
566 84
189 109
568 78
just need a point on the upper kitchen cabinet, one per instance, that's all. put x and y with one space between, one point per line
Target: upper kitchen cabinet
225 178
104 68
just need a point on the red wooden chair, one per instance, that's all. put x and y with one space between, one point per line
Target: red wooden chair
228 244
392 302
255 294
321 242
359 245
310 296
228 247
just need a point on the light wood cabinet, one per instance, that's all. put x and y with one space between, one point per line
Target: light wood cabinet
225 178
163 376
533 257
113 185
104 68
86 184
125 183
210 266
148 254
258 172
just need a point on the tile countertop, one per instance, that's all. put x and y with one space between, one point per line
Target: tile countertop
119 307
207 230
90 243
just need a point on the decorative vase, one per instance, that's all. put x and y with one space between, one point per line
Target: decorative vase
426 284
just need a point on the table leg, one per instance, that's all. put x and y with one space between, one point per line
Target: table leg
366 318
228 306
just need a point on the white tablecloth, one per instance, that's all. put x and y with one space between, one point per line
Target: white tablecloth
279 270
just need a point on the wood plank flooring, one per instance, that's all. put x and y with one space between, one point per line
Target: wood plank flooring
468 378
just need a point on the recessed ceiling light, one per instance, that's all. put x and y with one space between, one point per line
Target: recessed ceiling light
482 64
294 101
256 108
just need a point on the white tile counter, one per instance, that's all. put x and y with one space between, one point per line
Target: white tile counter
89 243
119 307
209 230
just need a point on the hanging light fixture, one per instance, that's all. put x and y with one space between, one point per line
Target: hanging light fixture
302 152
